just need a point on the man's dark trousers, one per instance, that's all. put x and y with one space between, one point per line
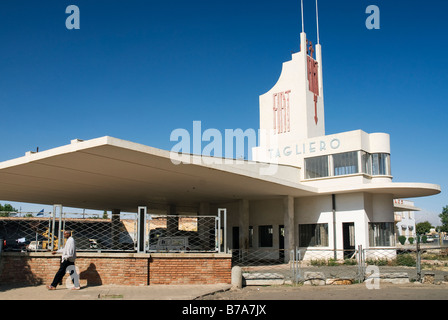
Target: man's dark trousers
61 272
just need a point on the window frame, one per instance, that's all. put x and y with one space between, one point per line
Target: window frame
345 169
318 235
379 237
324 163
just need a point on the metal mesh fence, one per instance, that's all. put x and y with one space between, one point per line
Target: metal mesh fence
265 265
42 234
261 266
330 265
169 233
119 233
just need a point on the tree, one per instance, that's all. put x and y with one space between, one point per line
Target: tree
6 210
444 219
423 227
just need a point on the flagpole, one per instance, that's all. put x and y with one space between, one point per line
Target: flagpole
303 22
317 20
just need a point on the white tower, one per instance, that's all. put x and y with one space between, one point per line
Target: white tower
293 110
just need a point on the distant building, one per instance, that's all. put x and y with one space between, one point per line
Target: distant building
405 218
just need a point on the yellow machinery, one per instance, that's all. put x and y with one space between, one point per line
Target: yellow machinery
46 243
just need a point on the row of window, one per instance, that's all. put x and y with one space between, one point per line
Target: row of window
347 163
381 234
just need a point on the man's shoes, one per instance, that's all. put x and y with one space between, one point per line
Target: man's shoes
76 288
51 288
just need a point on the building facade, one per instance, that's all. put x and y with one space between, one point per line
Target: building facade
352 171
325 194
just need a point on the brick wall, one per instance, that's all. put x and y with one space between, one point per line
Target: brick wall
119 268
189 269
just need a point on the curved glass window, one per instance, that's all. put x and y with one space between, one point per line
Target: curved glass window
381 164
366 162
345 163
316 167
354 162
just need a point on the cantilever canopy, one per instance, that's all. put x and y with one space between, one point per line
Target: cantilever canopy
108 173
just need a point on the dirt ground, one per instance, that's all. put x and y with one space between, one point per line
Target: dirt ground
386 291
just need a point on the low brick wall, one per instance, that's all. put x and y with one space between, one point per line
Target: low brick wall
119 268
189 269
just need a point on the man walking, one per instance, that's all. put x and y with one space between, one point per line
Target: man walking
68 259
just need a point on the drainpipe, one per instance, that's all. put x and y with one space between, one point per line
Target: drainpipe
333 200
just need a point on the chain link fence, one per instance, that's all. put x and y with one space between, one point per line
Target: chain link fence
46 234
323 266
265 266
168 233
163 233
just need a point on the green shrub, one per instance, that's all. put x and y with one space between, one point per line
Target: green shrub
318 262
350 262
377 262
411 240
406 260
402 239
332 263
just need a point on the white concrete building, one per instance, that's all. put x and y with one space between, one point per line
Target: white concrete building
351 170
325 194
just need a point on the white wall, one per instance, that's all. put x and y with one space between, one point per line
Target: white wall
359 208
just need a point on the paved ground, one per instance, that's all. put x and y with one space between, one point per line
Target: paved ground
110 292
386 291
223 302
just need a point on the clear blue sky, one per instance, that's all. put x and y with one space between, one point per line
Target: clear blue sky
138 69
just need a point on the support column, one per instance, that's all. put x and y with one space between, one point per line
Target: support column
290 229
243 223
56 236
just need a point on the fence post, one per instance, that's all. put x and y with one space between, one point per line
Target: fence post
361 264
219 233
51 229
224 235
294 260
418 260
296 267
141 229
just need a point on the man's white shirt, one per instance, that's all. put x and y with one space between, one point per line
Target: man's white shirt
69 250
